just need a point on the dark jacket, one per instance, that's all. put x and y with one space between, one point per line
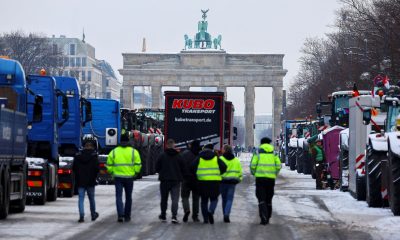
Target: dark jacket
170 166
189 156
86 168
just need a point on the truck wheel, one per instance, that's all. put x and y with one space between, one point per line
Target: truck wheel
5 193
299 160
394 187
360 188
42 200
52 194
18 206
373 177
292 159
307 166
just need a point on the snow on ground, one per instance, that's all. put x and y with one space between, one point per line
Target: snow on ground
58 220
297 198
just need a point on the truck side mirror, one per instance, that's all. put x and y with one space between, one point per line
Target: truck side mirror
235 133
366 116
88 112
39 99
37 112
65 112
37 109
64 106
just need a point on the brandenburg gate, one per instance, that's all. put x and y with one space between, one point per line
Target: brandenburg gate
204 64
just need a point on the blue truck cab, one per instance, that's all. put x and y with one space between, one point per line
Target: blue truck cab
105 125
70 133
43 137
13 127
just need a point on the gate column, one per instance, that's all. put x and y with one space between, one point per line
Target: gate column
276 112
249 98
127 92
156 96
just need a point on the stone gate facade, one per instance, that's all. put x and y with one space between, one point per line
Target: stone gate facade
211 68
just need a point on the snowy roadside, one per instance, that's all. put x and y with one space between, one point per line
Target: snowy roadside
297 199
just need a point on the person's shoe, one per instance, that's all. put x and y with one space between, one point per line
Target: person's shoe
186 216
120 219
196 219
174 220
81 220
127 219
226 219
264 221
95 216
162 218
211 218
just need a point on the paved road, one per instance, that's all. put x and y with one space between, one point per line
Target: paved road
299 213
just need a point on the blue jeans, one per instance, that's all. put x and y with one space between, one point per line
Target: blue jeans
90 193
125 184
227 193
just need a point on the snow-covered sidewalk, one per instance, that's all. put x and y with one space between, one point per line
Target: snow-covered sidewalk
296 198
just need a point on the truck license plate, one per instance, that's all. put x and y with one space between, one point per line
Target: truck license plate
34 194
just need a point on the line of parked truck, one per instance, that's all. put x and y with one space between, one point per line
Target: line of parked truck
361 145
43 122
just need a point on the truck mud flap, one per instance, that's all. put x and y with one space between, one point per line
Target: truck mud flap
360 188
344 170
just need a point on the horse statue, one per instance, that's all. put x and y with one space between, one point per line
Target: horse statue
188 42
217 42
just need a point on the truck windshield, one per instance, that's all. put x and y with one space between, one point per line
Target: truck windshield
393 112
341 102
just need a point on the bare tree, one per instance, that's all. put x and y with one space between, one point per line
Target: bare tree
367 31
33 51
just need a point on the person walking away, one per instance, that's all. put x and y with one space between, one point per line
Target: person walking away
189 184
170 169
86 168
208 169
265 166
317 154
124 164
230 178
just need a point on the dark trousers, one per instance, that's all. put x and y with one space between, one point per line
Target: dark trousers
125 184
264 194
205 209
167 187
187 188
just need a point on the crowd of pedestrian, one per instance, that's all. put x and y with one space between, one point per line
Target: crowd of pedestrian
199 172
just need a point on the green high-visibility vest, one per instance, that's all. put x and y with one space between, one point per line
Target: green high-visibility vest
124 162
233 169
265 164
208 170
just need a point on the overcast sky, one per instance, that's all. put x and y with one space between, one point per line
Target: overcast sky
117 26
